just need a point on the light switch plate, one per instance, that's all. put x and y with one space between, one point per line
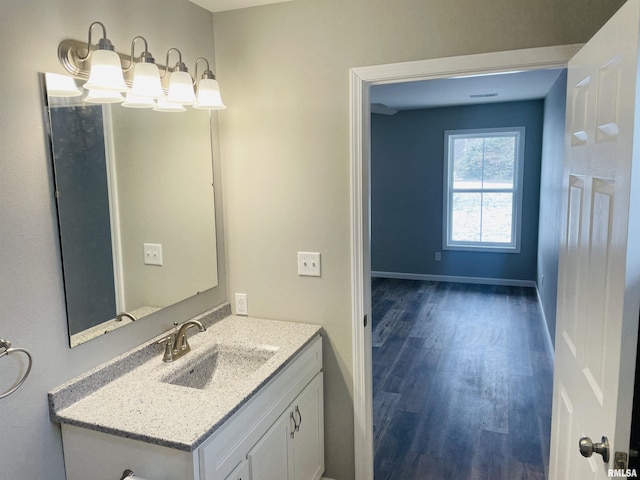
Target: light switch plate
152 254
309 264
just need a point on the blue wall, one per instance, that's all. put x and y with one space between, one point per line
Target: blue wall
407 160
551 199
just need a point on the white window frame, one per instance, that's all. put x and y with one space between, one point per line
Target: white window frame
516 221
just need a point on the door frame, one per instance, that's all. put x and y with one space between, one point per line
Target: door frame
360 81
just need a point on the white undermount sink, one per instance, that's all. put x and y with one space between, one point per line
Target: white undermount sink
218 367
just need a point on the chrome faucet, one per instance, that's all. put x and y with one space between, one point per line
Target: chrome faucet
175 344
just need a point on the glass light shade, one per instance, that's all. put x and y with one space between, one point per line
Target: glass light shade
106 72
104 96
165 106
61 86
209 95
146 81
181 89
134 101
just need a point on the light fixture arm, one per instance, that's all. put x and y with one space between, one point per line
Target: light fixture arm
145 56
180 66
207 73
103 44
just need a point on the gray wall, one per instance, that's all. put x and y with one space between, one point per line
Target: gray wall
285 143
283 72
551 199
32 307
407 162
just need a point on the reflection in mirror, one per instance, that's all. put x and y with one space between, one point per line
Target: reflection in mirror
134 191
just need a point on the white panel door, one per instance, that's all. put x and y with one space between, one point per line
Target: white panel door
599 270
270 458
308 439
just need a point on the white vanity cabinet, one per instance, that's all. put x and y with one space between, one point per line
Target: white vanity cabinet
293 448
259 441
264 431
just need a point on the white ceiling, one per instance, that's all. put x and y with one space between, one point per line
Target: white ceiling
222 5
509 87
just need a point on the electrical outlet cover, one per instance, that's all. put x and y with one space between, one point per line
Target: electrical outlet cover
241 304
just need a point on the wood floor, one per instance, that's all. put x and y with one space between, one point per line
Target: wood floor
462 382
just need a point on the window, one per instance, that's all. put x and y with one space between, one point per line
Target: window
483 189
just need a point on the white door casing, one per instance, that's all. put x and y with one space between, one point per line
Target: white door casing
360 80
599 265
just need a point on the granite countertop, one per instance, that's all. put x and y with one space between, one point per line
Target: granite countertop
128 397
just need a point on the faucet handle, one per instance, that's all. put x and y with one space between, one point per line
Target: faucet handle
183 342
168 347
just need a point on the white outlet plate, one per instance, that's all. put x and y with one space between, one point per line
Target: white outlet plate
241 304
309 264
152 254
438 256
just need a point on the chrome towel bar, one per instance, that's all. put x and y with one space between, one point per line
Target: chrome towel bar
6 349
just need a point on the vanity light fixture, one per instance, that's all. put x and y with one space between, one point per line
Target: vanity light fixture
180 82
146 79
104 96
208 90
106 70
165 106
136 101
108 78
61 86
146 76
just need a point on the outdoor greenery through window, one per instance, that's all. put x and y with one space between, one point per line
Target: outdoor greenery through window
483 178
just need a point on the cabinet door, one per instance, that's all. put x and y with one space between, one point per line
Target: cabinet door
241 472
270 458
308 439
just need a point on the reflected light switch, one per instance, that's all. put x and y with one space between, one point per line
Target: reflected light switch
152 254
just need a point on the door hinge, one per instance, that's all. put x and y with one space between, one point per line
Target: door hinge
365 320
620 460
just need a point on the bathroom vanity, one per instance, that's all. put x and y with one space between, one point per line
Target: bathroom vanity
245 403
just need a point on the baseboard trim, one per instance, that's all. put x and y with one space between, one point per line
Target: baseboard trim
450 278
546 326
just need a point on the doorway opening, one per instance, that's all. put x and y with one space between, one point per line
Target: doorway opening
457 366
362 79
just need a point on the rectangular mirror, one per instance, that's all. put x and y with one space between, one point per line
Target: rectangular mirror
136 213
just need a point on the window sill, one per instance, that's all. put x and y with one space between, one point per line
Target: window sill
481 249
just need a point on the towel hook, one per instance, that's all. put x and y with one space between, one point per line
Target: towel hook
6 349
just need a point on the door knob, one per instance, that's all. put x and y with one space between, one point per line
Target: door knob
587 448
